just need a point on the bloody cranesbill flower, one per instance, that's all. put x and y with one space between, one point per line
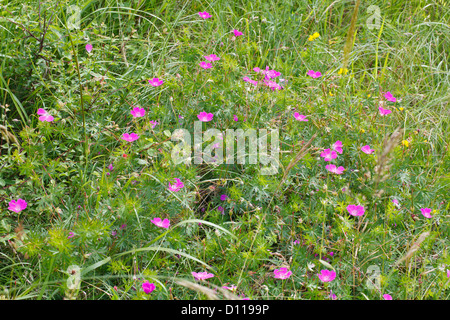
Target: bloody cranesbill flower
176 186
328 154
389 97
220 209
204 15
202 275
247 79
355 210
155 82
272 85
237 33
366 149
138 112
235 118
205 65
387 297
448 273
204 116
44 115
426 212
110 167
223 197
232 288
332 168
314 74
212 57
18 205
337 146
130 137
384 112
148 287
332 295
327 275
89 47
161 223
71 235
282 273
300 117
153 123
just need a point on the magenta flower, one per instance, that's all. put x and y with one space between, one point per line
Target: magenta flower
332 295
202 275
426 212
138 112
110 167
44 115
205 65
389 97
148 287
71 235
223 197
237 33
332 168
232 288
395 201
18 205
247 79
448 273
176 186
297 242
161 223
366 149
272 85
300 117
387 297
314 74
384 112
271 74
130 137
204 116
337 146
235 118
89 47
327 275
220 209
282 273
328 154
355 210
153 123
155 82
204 15
212 57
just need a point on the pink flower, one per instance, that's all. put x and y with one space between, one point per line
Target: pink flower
235 118
389 97
327 275
426 212
44 115
202 275
384 112
297 242
204 116
176 186
204 15
272 85
155 82
223 197
237 33
332 295
448 273
366 149
232 288
256 69
247 79
148 287
387 297
328 154
271 74
220 209
337 146
71 235
212 57
332 168
205 65
153 123
355 210
300 117
18 205
395 201
314 74
138 112
130 137
110 167
282 273
161 223
89 47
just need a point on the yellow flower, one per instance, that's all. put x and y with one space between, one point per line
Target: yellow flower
314 36
331 94
425 141
405 143
343 71
311 38
368 96
362 130
401 108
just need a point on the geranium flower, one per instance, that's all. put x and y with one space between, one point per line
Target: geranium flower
337 146
204 15
130 137
204 116
44 115
212 57
389 97
205 65
232 288
300 117
247 79
223 197
426 212
314 74
148 287
18 205
88 47
327 275
366 149
328 154
155 82
235 118
220 209
202 275
384 112
332 295
271 74
355 210
153 123
272 85
71 235
138 112
237 33
448 273
395 201
332 168
161 223
387 297
176 186
282 273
